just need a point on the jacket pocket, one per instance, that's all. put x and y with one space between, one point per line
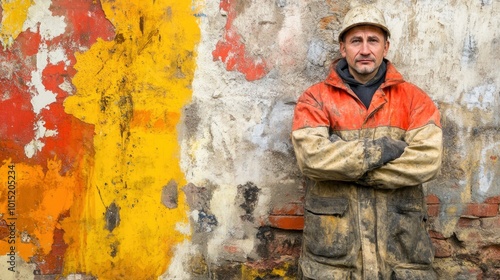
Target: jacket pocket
408 241
328 230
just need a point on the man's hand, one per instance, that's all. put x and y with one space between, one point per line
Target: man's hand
391 149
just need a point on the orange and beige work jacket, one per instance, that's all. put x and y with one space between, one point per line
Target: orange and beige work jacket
361 221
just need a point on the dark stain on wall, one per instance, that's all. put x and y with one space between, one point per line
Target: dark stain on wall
141 24
266 236
276 243
126 105
249 193
114 249
112 216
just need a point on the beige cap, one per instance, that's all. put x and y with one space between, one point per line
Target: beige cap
363 15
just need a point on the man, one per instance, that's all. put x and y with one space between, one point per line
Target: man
368 139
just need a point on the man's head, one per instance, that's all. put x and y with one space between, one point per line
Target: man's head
364 41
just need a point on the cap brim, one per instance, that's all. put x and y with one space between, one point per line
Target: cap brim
363 23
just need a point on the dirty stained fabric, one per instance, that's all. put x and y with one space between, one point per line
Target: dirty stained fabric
365 216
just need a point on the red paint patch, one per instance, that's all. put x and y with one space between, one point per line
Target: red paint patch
85 23
231 51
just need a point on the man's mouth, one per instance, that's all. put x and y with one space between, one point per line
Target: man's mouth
365 61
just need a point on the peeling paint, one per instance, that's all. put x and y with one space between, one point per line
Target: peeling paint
483 97
232 51
40 19
169 195
250 194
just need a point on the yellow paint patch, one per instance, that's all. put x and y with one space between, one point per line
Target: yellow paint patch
132 90
13 16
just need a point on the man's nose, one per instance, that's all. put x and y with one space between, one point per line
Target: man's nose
364 48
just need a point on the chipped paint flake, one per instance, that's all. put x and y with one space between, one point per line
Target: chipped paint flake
40 19
482 97
232 51
41 97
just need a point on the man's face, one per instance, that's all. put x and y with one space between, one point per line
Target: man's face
364 47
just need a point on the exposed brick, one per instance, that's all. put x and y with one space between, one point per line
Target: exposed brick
481 210
493 200
490 223
436 235
432 199
491 256
471 237
287 222
443 249
433 210
290 209
465 222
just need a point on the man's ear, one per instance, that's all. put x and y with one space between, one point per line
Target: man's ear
342 49
386 47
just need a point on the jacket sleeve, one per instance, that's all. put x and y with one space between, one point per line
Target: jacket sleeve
421 160
321 156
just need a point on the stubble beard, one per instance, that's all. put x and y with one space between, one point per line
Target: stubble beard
364 71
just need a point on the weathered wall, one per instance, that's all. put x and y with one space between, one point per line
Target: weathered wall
150 139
